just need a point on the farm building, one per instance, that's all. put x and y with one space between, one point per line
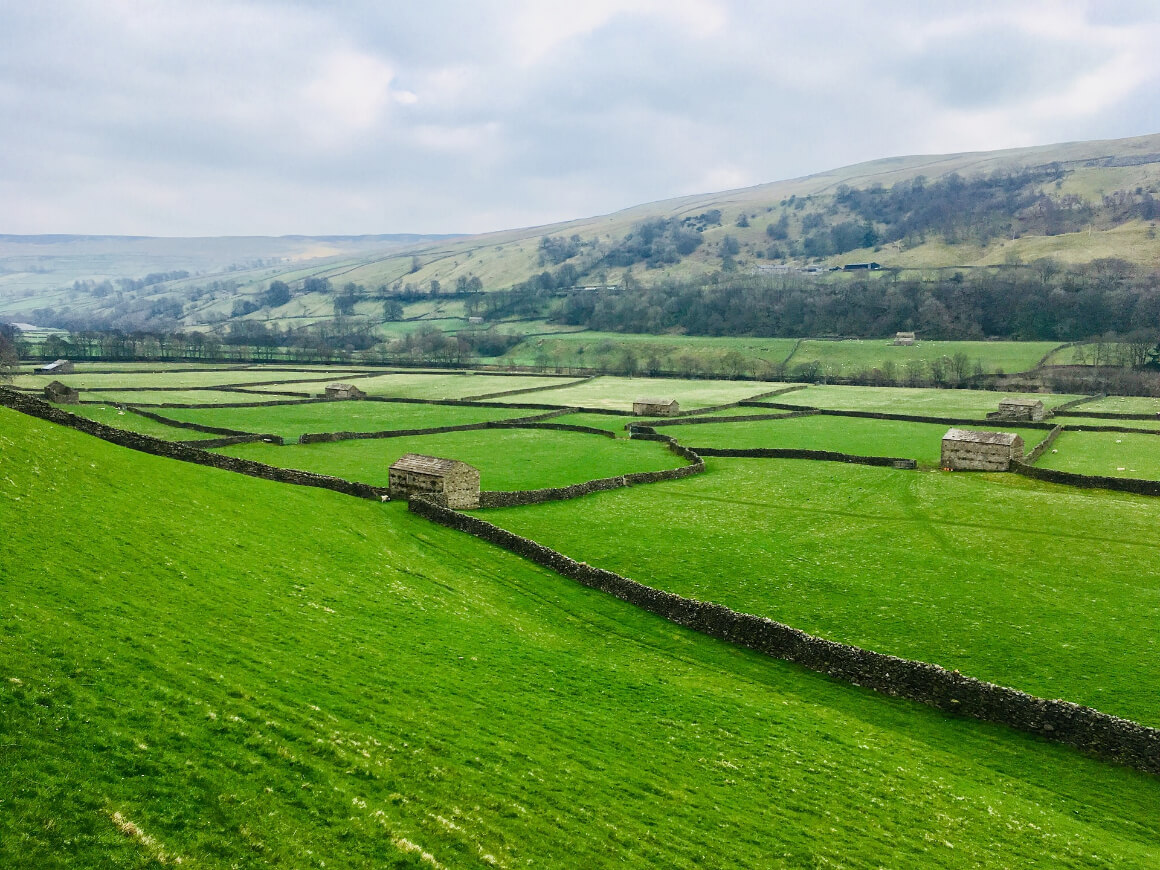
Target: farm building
904 339
344 391
656 407
1018 409
968 450
60 394
448 481
59 367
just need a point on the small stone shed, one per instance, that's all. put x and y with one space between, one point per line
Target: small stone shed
344 391
448 481
59 367
969 450
656 407
904 339
1019 409
61 395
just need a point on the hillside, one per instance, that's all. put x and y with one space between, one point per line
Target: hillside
302 678
1075 203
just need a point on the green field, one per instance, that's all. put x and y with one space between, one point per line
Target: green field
441 386
1123 405
855 435
507 459
910 400
1048 589
854 356
688 354
110 415
175 379
290 421
1107 454
304 679
181 397
619 393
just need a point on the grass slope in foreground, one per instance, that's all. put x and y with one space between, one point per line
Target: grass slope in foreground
299 678
1049 589
506 458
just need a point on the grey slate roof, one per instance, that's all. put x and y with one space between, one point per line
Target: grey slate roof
975 437
1020 403
420 464
655 402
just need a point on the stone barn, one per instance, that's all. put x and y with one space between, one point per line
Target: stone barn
448 481
344 391
59 367
1019 409
656 407
61 395
968 450
904 339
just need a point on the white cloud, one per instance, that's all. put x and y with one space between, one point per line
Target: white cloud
261 116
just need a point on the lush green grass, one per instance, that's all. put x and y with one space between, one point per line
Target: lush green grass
909 400
856 435
1108 454
182 397
506 458
1123 405
290 421
173 379
449 386
111 416
1049 589
299 678
854 356
619 393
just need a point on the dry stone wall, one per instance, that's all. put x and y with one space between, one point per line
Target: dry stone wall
1100 734
1089 481
185 452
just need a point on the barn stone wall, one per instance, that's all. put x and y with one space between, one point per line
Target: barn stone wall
1100 734
977 456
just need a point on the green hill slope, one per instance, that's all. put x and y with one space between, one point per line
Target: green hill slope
200 666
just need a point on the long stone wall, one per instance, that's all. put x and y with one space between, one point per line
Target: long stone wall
739 418
209 430
1084 728
185 452
1089 481
327 437
800 453
1042 446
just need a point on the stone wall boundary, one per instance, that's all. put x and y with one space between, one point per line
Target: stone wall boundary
502 393
1109 415
198 427
1042 446
801 453
185 452
515 498
739 418
1133 485
1083 400
1089 730
328 437
904 418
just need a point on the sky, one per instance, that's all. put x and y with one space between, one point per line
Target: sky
256 117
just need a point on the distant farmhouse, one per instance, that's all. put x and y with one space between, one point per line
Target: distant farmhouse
968 450
344 391
60 367
1017 410
61 395
448 482
859 267
656 408
904 339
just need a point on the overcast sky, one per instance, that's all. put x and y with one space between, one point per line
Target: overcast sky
228 117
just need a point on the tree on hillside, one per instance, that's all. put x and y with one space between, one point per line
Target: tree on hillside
9 359
278 293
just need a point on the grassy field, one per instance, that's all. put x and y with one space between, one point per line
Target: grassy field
110 415
175 379
1108 454
684 353
1123 405
619 393
182 397
1048 589
853 356
290 421
859 436
304 679
908 400
506 458
439 386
